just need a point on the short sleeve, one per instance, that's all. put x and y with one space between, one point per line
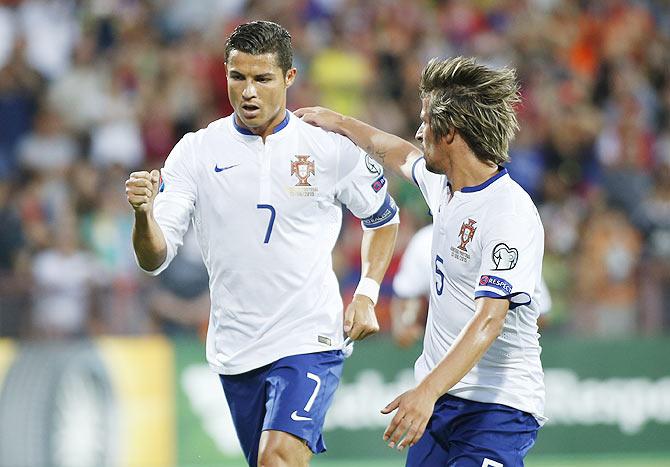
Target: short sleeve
362 187
175 203
511 259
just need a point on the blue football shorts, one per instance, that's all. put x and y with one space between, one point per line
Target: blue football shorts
464 433
290 395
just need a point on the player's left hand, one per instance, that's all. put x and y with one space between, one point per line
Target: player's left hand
360 320
415 407
320 116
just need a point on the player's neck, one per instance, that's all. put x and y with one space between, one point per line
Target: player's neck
265 130
470 171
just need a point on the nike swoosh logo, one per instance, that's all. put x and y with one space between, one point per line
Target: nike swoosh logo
298 418
221 169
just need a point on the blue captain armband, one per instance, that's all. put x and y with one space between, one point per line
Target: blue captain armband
386 212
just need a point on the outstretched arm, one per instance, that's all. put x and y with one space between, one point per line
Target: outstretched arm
416 406
391 151
376 252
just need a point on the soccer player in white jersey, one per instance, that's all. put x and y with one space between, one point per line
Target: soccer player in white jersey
265 192
479 400
411 284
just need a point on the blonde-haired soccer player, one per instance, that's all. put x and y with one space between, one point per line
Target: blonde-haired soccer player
479 400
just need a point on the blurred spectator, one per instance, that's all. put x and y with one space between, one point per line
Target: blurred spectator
411 288
107 232
6 33
47 148
51 30
78 94
341 72
64 280
653 218
624 146
13 266
528 161
20 88
605 287
116 137
179 300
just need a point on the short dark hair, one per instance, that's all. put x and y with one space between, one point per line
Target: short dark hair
262 37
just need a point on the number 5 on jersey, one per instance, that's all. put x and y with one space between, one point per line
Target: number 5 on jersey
439 283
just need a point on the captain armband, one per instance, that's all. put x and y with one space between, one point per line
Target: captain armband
384 215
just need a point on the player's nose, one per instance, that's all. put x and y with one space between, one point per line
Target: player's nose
249 90
419 134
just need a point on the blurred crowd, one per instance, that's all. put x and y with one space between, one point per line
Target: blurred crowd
91 90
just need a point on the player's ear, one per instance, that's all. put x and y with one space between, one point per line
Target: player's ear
451 134
290 77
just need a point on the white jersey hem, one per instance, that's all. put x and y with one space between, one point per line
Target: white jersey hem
478 396
217 367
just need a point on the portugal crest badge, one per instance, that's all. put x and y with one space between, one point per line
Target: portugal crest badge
302 168
466 233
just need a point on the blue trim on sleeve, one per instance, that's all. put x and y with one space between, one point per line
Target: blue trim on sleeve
486 293
480 187
383 215
413 168
512 304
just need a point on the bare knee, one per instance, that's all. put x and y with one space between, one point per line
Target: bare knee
274 456
279 449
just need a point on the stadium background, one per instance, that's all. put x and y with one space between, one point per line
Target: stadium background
100 365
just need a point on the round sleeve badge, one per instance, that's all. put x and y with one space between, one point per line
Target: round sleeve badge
504 257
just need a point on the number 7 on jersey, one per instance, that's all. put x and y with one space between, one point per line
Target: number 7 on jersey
273 213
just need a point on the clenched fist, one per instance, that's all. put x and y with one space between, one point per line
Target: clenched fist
141 189
360 320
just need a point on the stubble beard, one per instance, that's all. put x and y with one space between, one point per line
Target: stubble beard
432 166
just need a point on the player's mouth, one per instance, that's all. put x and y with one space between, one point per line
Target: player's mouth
250 110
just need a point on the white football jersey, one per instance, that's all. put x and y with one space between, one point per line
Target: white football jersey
267 216
488 241
414 273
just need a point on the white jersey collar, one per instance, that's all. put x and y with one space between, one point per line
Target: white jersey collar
248 132
471 189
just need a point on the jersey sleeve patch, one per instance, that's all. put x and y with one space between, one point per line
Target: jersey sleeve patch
383 215
497 287
497 283
379 184
373 166
504 257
